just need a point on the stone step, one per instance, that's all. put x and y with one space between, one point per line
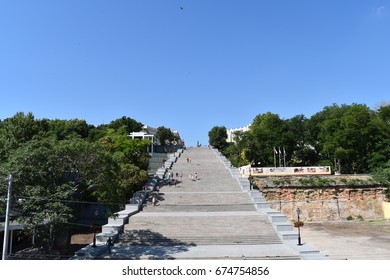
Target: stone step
288 235
163 207
156 240
277 218
259 200
202 198
112 228
283 226
214 227
119 220
262 205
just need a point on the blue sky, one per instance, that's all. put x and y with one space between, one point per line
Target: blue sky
191 64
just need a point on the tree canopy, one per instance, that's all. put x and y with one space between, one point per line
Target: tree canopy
355 136
164 135
59 165
218 136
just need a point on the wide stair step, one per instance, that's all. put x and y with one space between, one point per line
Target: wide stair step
147 238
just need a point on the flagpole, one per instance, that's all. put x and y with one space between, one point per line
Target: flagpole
275 157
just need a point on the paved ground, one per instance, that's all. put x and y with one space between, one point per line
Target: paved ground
352 240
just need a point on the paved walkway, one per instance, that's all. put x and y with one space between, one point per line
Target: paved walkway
208 218
350 240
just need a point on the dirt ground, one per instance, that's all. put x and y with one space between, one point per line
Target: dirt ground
78 241
82 239
353 240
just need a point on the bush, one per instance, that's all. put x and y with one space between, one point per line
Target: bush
298 224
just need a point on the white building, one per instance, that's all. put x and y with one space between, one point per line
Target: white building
148 133
230 132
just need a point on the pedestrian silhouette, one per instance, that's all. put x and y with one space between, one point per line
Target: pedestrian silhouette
109 244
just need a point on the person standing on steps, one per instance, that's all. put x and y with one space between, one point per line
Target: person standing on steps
109 244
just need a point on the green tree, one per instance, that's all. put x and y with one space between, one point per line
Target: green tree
16 131
131 177
382 175
267 132
384 112
87 166
236 151
134 151
52 177
217 137
130 124
353 135
63 129
39 190
348 133
59 165
298 143
380 153
164 135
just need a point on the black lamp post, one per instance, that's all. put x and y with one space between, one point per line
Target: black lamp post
299 227
95 227
94 239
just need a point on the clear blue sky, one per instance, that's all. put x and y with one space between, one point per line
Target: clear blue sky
191 64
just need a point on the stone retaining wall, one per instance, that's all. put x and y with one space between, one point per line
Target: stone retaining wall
327 203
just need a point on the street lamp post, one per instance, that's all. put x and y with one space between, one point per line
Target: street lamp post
299 227
94 239
94 227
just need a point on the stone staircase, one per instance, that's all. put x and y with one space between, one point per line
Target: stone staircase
216 216
212 229
211 217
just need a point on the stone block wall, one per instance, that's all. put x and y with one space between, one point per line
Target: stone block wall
327 203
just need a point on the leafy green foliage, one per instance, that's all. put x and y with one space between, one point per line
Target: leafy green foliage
57 165
382 175
217 137
353 138
125 149
39 188
129 124
131 177
265 134
350 133
16 131
164 135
